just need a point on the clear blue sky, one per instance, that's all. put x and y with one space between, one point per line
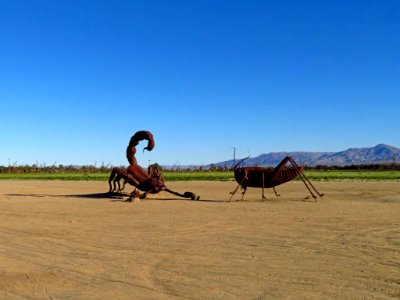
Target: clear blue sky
79 78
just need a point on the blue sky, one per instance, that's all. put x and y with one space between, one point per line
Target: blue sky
79 78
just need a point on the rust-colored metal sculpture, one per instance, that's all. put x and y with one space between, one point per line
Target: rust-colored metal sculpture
134 141
263 177
117 174
148 182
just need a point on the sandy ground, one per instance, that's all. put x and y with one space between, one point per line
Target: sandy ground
68 240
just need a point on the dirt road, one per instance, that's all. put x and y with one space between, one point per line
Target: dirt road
67 240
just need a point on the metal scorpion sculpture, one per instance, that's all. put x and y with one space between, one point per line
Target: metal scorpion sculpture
264 177
151 181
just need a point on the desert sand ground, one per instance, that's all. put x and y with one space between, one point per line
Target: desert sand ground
68 240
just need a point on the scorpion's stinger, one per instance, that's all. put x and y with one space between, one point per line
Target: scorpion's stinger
140 136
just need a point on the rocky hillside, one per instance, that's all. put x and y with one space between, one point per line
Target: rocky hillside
379 154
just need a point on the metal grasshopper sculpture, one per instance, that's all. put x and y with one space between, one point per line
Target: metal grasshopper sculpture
264 177
148 182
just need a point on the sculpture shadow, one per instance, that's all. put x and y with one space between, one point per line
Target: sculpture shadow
122 197
89 196
113 197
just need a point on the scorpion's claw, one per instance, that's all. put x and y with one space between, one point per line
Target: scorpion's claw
194 197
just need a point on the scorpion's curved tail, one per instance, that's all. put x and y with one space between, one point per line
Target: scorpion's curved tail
142 135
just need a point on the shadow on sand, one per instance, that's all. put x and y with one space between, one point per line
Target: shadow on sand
125 197
114 197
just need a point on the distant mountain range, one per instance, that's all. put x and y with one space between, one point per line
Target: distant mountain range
375 155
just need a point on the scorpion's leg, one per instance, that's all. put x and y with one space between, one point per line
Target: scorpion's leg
116 182
123 185
111 189
111 180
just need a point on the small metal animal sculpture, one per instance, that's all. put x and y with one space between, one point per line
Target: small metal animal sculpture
148 182
118 173
151 185
263 177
